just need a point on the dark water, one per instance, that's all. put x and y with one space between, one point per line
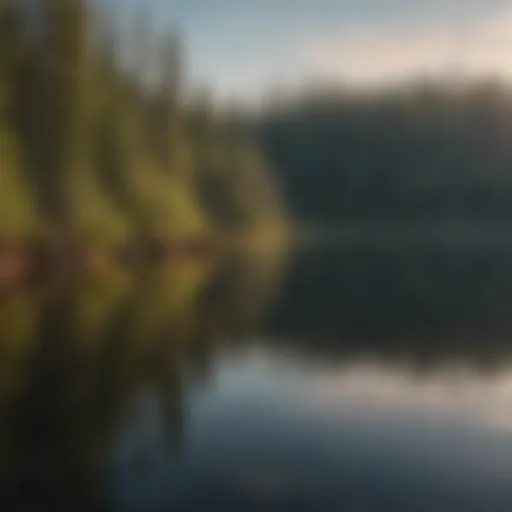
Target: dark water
335 378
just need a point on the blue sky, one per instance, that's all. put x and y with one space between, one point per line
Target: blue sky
242 47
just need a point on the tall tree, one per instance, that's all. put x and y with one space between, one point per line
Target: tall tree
170 137
62 71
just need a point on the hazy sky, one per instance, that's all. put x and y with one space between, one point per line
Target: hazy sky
244 46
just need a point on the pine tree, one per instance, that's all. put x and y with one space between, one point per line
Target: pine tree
16 215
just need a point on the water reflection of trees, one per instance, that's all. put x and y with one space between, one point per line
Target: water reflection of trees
425 304
75 356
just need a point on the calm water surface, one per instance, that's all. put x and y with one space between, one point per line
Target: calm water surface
336 378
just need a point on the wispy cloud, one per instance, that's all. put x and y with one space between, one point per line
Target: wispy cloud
390 51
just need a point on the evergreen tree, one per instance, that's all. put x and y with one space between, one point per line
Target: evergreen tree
16 215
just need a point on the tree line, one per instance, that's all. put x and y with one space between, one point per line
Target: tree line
434 150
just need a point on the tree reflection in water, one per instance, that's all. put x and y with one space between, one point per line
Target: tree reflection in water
96 375
100 364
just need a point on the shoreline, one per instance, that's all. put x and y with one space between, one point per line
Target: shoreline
23 261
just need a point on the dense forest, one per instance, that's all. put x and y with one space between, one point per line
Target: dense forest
103 140
432 150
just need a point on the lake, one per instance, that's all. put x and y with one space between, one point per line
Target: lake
342 376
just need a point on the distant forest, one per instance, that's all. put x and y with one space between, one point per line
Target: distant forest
435 150
102 138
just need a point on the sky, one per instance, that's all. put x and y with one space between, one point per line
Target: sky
243 48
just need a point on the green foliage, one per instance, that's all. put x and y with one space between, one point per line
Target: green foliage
237 185
16 212
91 215
253 192
107 154
165 204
